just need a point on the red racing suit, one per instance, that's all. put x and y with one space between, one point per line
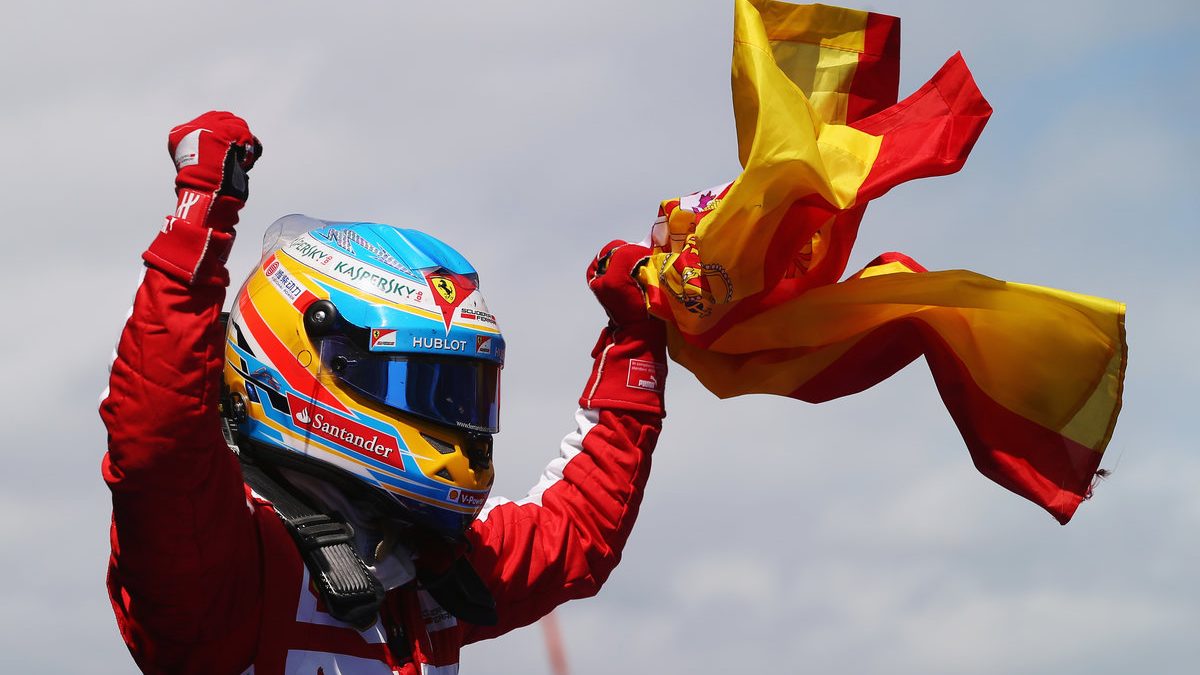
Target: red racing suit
204 577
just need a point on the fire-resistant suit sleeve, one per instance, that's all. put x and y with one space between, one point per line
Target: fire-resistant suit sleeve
565 537
184 573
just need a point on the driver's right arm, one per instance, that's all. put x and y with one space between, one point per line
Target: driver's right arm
184 572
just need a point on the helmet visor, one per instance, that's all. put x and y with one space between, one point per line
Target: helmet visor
453 391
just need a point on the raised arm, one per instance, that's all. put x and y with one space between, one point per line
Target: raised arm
184 565
565 537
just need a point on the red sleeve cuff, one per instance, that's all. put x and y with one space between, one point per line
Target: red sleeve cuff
191 255
188 248
630 371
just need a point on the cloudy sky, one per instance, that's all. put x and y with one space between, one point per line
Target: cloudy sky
850 537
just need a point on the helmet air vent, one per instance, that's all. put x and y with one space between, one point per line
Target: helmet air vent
438 444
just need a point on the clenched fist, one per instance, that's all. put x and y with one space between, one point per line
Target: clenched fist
212 154
611 278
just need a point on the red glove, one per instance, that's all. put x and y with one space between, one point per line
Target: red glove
631 359
612 278
212 154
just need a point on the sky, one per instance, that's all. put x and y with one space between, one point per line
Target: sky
848 537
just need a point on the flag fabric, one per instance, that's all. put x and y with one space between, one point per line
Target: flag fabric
747 274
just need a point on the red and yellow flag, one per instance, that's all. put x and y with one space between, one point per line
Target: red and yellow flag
747 274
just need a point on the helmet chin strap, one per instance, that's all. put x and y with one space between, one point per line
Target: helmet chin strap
450 580
376 540
336 555
350 591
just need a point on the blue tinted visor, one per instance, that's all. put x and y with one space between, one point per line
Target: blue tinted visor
457 392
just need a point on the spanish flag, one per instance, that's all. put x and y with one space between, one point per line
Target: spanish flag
747 274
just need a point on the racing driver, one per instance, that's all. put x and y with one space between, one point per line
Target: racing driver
302 485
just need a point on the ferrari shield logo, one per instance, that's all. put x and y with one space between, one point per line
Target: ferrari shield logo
450 290
444 287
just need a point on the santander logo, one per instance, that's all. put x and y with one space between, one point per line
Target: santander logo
343 431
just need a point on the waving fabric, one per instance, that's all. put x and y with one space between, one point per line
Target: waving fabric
747 274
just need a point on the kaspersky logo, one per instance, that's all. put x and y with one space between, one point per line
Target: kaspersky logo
343 431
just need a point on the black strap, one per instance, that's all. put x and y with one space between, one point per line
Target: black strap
349 589
460 591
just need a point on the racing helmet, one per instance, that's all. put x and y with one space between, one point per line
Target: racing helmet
363 351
